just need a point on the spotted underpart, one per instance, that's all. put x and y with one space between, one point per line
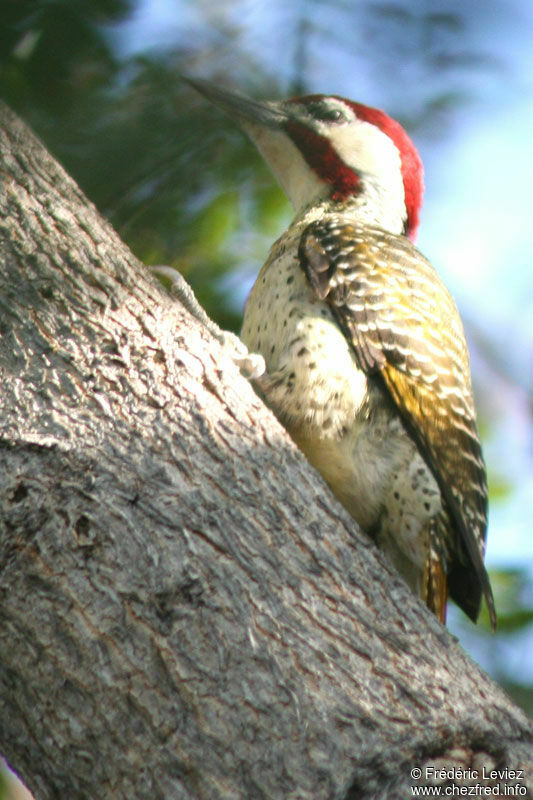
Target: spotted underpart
355 326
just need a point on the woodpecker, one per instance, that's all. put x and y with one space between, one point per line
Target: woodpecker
366 361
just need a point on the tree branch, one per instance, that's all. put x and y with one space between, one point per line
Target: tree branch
186 612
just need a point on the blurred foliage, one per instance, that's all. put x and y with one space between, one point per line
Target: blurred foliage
178 180
127 128
128 131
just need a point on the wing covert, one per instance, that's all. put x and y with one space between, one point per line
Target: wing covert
404 328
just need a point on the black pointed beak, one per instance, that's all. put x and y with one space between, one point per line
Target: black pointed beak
244 109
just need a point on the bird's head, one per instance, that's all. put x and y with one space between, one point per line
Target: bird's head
326 147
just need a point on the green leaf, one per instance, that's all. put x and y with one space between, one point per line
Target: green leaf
215 224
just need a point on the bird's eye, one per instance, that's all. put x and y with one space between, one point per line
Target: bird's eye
325 113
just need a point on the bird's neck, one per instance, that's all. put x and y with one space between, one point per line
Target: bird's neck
372 205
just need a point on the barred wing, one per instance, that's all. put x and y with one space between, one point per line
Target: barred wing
405 329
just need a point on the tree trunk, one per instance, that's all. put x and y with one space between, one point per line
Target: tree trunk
186 612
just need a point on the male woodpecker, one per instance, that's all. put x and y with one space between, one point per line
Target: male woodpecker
366 360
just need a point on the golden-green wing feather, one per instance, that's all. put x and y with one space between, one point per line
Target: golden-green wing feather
404 328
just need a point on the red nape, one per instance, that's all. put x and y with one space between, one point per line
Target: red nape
412 168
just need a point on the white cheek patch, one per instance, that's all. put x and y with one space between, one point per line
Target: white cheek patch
365 149
371 153
377 161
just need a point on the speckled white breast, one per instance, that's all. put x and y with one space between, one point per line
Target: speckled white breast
313 380
343 422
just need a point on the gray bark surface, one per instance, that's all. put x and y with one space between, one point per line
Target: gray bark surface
185 610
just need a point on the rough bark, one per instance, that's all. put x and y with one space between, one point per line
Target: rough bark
186 612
